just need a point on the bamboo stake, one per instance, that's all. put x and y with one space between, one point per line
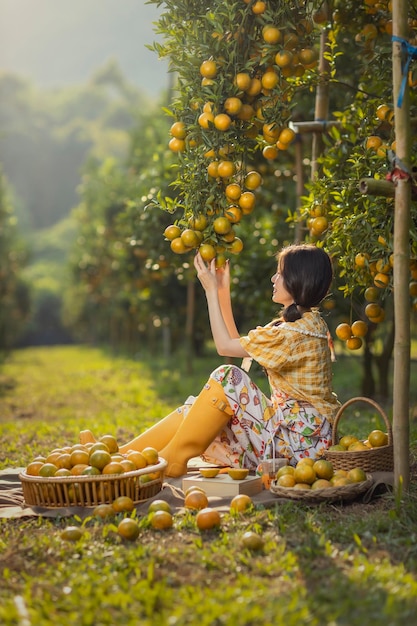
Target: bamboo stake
374 187
321 112
313 127
401 381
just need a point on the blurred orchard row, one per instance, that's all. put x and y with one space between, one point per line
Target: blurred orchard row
226 164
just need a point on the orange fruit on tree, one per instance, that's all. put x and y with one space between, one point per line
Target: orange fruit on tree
232 105
283 58
359 328
304 473
343 331
287 135
255 87
372 310
246 113
177 246
270 152
382 111
128 528
198 222
371 294
189 238
196 500
319 225
378 438
308 56
259 7
208 69
222 121
176 145
354 343
373 142
207 252
208 518
172 232
361 259
271 34
233 214
233 191
241 502
151 455
161 520
221 225
242 81
178 130
213 169
247 202
236 246
271 132
381 280
226 169
253 180
205 120
269 80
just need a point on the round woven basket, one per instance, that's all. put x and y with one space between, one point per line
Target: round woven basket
329 494
68 491
371 460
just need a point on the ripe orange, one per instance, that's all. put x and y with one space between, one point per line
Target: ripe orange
221 225
99 458
33 468
253 180
357 475
259 7
306 460
343 331
321 483
128 465
111 442
255 87
247 202
271 34
176 145
236 246
222 121
381 280
161 520
213 169
189 238
103 511
319 225
246 113
78 469
269 80
177 246
151 455
79 456
207 519
64 461
361 259
72 533
378 438
232 105
304 473
206 120
233 191
286 136
112 468
241 502
283 58
207 252
172 232
123 504
373 142
286 480
323 469
208 69
271 132
252 541
372 310
89 470
302 486
359 328
371 294
382 111
159 505
137 458
242 81
178 130
198 222
226 169
347 440
128 528
196 500
270 152
285 469
354 343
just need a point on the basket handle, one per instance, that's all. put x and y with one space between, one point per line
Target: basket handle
369 401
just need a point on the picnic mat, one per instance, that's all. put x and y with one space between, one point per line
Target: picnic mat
12 504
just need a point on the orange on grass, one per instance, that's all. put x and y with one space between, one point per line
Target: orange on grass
128 528
103 511
123 504
208 518
159 505
72 533
241 502
343 331
161 520
252 541
196 500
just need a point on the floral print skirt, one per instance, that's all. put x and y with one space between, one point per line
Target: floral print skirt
260 431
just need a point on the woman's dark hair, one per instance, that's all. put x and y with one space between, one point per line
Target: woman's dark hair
307 274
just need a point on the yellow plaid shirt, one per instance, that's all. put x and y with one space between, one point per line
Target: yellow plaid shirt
296 357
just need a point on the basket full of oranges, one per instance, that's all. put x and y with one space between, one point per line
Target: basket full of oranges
374 454
92 474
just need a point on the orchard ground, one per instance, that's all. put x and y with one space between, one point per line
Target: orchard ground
324 564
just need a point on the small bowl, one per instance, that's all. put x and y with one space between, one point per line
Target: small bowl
209 472
238 473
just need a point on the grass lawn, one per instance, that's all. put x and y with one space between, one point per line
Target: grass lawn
350 564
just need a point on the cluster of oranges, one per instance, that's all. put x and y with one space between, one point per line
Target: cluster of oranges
353 334
92 459
230 111
350 443
319 474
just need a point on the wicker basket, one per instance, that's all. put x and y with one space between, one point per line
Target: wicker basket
92 490
372 460
330 494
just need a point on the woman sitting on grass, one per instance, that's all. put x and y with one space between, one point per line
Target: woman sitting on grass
232 422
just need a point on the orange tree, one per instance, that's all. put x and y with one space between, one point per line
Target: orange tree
356 210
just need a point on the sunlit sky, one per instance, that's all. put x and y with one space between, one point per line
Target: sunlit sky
61 42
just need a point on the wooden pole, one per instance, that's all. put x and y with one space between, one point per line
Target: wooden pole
375 187
299 173
401 381
321 111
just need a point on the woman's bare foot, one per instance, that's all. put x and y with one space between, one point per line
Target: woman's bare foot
86 436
